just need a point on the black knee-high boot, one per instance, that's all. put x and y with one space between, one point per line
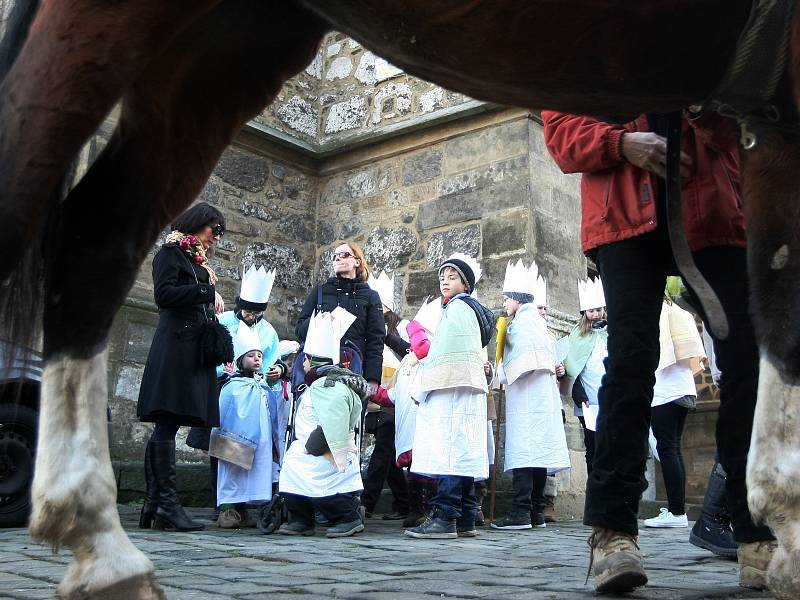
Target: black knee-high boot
151 499
169 515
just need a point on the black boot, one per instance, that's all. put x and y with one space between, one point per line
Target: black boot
712 530
416 498
151 499
170 515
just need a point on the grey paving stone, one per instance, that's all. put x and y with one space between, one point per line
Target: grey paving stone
381 564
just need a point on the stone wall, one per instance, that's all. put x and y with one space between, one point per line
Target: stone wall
483 188
348 93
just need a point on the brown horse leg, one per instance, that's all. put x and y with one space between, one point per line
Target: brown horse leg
772 202
176 121
78 60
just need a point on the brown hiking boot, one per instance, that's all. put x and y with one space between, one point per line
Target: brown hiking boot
753 563
615 561
550 509
229 519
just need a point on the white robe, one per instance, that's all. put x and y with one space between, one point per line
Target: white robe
316 476
235 484
534 428
451 434
405 407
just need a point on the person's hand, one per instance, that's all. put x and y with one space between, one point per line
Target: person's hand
227 368
219 303
274 373
372 387
560 370
648 151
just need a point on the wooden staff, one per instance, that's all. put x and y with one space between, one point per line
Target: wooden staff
500 342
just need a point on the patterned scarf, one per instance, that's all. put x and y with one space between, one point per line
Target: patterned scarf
194 248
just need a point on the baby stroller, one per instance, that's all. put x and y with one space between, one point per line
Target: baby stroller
274 513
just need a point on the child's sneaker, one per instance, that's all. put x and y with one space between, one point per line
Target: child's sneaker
435 526
296 528
538 519
466 529
513 521
667 519
345 529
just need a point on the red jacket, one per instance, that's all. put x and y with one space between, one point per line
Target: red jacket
618 199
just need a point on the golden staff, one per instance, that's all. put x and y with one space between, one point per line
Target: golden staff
500 343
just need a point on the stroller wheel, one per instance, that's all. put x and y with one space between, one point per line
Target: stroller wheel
271 515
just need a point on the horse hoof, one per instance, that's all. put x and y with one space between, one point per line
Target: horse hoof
139 587
783 575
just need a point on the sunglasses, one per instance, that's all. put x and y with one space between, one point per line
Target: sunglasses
255 313
343 255
217 230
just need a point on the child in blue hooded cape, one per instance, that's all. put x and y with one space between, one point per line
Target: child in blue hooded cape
246 442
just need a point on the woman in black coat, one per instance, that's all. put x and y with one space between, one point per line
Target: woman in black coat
176 388
349 289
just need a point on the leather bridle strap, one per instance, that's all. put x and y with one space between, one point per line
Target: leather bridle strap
712 307
747 88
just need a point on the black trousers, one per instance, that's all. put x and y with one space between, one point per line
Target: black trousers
340 508
382 467
529 489
667 421
634 273
588 442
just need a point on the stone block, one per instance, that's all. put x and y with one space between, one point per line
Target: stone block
339 68
387 176
505 233
473 203
389 248
421 284
296 227
243 170
350 229
140 328
470 150
346 115
278 171
211 193
361 184
325 233
511 169
422 167
300 115
460 239
128 382
293 273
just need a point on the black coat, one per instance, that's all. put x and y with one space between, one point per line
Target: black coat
175 386
366 332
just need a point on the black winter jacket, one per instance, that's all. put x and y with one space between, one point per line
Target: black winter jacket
176 387
368 330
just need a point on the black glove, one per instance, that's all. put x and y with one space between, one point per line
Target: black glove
317 445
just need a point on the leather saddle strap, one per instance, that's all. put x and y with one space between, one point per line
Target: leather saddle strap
712 307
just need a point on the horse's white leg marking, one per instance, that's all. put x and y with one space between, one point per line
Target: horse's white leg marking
773 475
74 492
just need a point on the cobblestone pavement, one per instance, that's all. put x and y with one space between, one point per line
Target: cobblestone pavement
381 564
